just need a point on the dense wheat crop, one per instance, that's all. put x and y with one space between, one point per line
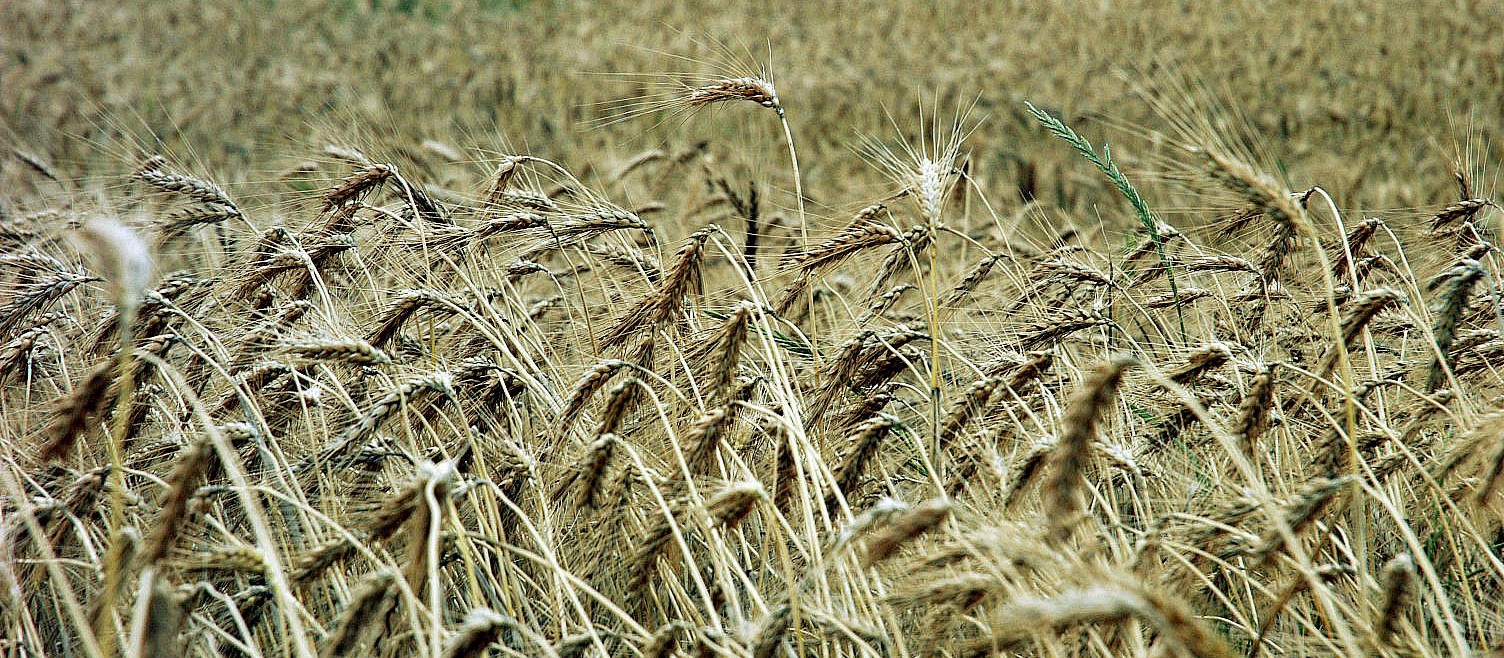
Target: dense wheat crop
656 330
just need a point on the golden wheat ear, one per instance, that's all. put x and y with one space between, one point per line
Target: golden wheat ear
482 627
905 528
1088 406
363 615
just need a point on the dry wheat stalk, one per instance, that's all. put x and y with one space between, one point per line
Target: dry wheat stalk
964 591
180 222
1027 467
1152 244
881 304
166 616
703 438
862 233
37 164
17 354
580 228
1356 244
733 503
38 297
356 186
1463 210
901 257
1029 617
1171 300
1357 315
663 643
76 410
506 170
1072 273
1221 264
619 400
965 407
629 260
1200 361
308 566
237 559
1025 617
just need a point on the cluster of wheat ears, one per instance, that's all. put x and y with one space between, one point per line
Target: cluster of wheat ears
388 418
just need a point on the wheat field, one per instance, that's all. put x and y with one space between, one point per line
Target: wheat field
656 330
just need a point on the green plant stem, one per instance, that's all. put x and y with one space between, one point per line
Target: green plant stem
1105 164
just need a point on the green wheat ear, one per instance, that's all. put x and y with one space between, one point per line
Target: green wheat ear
1105 164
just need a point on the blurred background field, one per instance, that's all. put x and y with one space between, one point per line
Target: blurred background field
1369 99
